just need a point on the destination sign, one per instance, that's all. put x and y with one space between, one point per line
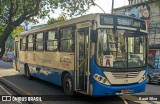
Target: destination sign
122 21
125 21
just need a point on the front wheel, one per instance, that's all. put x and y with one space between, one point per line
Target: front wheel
67 84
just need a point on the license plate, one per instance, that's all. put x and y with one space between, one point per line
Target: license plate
125 90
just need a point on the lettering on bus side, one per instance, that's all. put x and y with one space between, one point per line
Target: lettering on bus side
65 61
85 24
25 56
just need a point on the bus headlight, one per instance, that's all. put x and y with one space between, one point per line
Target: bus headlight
101 79
143 78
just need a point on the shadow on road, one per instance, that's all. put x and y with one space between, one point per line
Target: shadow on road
154 83
20 85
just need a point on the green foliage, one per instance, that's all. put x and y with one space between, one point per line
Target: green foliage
15 12
1 29
16 32
53 20
157 2
75 7
9 43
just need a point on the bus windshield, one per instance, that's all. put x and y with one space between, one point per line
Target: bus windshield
121 49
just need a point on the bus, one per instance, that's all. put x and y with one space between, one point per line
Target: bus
95 54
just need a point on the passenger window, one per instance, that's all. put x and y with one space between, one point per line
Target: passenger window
23 44
67 40
30 42
39 42
52 41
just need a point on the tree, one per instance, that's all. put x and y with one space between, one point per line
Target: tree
14 12
53 20
9 43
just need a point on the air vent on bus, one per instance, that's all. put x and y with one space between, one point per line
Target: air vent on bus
121 75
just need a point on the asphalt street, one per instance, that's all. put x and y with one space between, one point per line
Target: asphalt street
14 83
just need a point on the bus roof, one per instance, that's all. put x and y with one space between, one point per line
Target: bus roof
88 17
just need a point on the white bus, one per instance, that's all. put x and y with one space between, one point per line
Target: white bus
95 54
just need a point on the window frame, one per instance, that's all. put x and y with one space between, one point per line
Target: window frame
33 41
61 39
42 41
21 42
46 40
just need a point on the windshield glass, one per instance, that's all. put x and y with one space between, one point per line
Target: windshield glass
121 49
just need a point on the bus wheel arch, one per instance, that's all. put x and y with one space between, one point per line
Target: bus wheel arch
67 83
27 71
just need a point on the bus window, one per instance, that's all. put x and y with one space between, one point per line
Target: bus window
30 43
67 40
23 44
39 42
52 42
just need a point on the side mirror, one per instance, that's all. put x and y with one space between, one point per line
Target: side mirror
94 36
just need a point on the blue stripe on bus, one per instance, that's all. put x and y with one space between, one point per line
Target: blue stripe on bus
94 69
52 75
105 90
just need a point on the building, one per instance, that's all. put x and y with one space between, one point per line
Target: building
148 10
132 2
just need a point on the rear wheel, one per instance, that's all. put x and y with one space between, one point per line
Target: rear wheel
67 84
27 72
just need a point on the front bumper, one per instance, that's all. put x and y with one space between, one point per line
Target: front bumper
104 90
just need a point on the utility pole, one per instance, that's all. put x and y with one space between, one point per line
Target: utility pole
112 6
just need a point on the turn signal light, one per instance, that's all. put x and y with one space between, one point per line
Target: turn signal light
104 80
100 78
95 76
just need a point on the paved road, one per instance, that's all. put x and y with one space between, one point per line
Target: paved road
17 84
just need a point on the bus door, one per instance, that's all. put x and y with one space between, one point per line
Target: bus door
16 63
82 59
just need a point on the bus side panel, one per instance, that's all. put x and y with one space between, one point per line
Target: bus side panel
47 65
52 75
21 66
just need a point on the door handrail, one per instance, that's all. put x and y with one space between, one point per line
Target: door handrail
80 59
80 64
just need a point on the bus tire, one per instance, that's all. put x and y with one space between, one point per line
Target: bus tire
67 84
27 72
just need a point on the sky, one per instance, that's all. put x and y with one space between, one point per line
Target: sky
104 4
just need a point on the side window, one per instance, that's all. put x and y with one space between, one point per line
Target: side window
23 44
67 40
39 42
30 42
52 41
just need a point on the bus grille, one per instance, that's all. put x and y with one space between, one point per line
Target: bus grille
121 75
